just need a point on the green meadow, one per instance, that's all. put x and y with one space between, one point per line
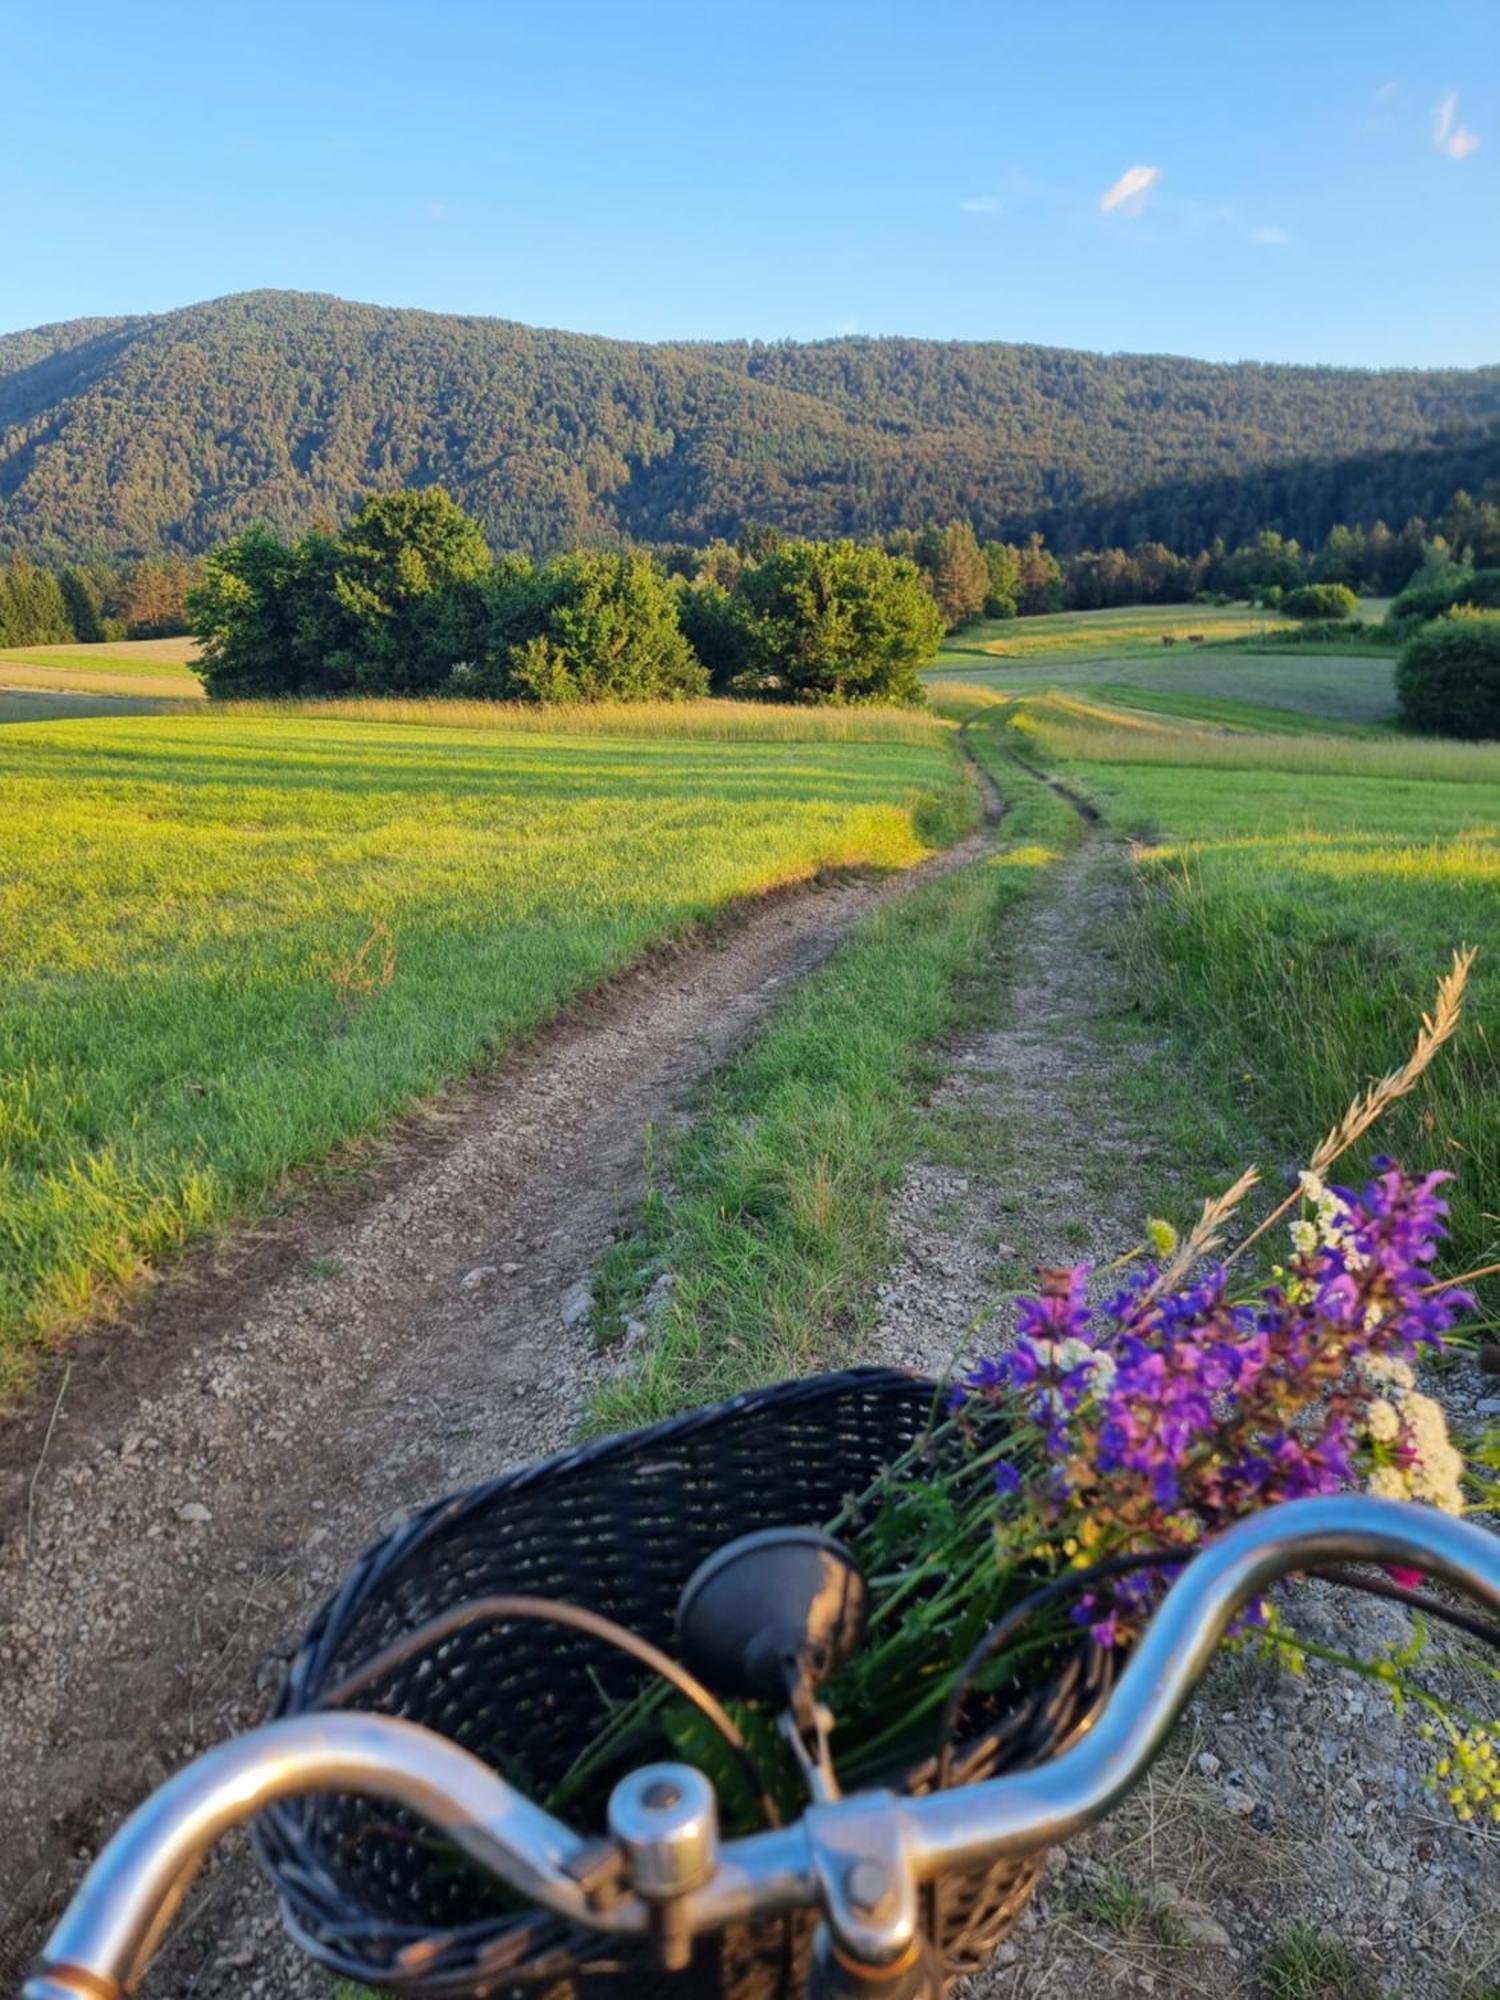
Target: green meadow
1134 631
1299 895
230 943
136 669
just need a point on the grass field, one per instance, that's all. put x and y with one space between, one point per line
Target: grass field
1132 632
1300 895
1322 686
143 669
184 901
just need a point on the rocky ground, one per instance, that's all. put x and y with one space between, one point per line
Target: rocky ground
1285 1802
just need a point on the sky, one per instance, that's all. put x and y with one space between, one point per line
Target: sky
1317 182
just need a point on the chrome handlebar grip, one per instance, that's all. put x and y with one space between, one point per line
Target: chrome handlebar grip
104 1941
106 1937
1038 1808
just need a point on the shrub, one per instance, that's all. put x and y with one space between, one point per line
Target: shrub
589 626
1321 601
831 621
1448 677
1432 596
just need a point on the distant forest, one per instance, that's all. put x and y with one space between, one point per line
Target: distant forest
161 436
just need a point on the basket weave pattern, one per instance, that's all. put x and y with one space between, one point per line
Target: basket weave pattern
615 1526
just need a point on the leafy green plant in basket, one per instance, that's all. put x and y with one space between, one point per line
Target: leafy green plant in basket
1094 1455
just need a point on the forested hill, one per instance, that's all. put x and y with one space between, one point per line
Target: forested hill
128 436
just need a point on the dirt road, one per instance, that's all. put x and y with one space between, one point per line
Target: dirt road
215 1462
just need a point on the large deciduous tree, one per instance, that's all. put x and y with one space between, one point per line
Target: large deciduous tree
588 626
389 566
834 622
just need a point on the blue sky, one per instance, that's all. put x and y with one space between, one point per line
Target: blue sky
1310 182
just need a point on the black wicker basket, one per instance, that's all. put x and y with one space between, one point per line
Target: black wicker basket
617 1527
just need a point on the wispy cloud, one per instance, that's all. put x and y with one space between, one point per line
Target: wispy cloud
437 211
1456 140
980 204
1130 192
1269 236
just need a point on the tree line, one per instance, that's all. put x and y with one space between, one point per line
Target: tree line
88 604
971 579
965 577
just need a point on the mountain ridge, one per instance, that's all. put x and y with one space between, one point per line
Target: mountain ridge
132 434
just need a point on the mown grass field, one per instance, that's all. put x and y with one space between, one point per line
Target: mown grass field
1131 632
141 669
184 900
1300 893
1321 685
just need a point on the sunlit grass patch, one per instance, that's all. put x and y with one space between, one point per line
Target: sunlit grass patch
178 895
1057 723
714 721
1130 629
1313 687
133 667
1299 896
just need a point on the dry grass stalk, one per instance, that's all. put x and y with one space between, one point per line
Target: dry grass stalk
1437 1028
369 970
1205 1235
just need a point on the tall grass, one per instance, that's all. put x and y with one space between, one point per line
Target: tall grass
1294 913
710 721
1080 732
178 895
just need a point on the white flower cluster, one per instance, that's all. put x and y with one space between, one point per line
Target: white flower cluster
1327 1228
1403 1415
1066 1355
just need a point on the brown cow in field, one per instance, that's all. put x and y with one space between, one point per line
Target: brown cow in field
1169 638
1195 638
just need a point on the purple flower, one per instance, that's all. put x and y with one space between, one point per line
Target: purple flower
1007 1478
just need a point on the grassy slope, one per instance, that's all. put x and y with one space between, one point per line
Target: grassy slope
1298 903
175 894
1132 631
776 1222
1322 686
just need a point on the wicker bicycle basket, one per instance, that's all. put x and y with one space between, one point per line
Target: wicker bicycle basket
616 1527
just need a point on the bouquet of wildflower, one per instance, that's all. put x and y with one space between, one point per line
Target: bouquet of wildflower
1173 1410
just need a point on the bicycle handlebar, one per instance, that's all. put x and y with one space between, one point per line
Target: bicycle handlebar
859 1859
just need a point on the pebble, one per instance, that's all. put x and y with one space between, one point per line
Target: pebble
480 1275
576 1304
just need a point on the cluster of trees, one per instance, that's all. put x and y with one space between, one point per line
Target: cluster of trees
972 579
87 603
1448 675
177 430
408 599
